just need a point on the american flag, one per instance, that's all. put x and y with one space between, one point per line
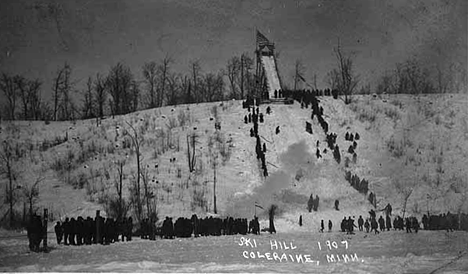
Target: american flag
261 39
257 205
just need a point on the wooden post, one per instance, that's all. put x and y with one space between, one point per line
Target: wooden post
214 189
98 229
44 227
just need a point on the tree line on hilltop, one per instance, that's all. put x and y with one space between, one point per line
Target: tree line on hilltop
121 91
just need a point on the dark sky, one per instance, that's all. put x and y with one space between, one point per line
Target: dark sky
36 37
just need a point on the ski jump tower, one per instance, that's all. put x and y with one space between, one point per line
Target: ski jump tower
267 77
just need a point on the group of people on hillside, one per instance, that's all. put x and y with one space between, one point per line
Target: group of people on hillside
360 185
297 93
313 203
254 116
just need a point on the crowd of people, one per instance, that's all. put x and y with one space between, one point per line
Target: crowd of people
87 231
255 117
208 226
360 185
448 222
106 231
110 231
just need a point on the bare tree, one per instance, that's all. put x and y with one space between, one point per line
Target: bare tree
186 90
10 90
232 72
22 85
413 79
196 79
163 72
99 95
246 65
332 78
192 141
29 92
118 180
215 164
31 193
299 71
173 88
212 87
149 195
61 88
119 83
386 84
137 141
404 189
315 81
35 102
443 80
135 95
88 101
346 80
46 112
150 77
8 160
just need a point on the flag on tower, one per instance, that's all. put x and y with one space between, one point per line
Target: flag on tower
261 39
257 205
301 78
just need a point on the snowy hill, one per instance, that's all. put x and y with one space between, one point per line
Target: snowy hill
408 144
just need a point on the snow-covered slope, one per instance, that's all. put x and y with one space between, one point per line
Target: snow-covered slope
417 144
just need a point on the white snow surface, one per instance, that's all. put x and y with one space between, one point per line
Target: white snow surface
271 74
387 252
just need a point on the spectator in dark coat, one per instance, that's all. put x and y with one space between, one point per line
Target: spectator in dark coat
58 232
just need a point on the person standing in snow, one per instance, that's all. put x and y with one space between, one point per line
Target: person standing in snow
415 224
381 224
322 226
388 209
351 225
408 225
425 222
344 224
66 231
317 154
388 222
271 213
34 231
58 232
71 236
367 225
360 222
316 202
330 225
374 226
310 203
300 220
257 226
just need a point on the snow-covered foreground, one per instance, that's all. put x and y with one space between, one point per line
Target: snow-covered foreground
388 252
